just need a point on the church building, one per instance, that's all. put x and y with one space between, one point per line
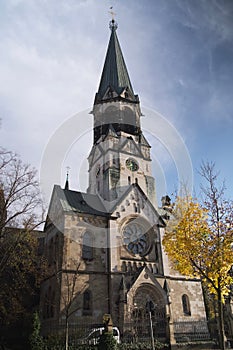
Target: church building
104 246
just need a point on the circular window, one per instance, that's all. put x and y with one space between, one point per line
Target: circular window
135 239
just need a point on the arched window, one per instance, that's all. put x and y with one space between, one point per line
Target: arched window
123 267
186 305
150 268
87 303
129 267
87 251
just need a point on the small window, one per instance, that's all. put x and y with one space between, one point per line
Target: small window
150 268
87 303
186 305
129 267
123 267
87 251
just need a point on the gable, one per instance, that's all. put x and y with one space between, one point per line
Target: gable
55 212
96 154
129 146
110 93
135 202
68 201
144 141
146 278
143 275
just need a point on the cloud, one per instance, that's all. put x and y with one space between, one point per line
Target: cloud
178 54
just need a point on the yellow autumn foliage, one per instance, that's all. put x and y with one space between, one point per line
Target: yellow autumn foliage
197 250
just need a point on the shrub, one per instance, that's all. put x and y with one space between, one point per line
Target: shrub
36 340
107 342
86 347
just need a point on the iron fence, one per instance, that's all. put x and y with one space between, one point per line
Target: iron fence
191 331
134 332
141 331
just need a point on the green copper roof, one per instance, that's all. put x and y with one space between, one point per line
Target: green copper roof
115 74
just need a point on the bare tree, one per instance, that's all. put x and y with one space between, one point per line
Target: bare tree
67 278
21 212
20 199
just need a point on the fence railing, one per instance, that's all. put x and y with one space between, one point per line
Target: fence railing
135 331
184 331
191 331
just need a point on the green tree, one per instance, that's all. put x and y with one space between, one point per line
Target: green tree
198 240
36 340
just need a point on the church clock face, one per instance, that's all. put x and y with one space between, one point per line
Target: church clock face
132 164
135 239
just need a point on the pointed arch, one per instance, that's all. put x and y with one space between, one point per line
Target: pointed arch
150 301
186 305
87 302
87 247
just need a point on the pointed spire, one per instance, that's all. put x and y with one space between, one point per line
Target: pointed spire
67 179
115 78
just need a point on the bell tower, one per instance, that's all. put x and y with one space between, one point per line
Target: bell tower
114 258
120 155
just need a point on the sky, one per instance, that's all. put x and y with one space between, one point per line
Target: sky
179 54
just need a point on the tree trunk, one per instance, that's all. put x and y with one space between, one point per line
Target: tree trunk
221 334
67 334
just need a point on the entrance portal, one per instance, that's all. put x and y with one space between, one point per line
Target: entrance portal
149 304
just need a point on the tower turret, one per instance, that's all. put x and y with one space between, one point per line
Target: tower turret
115 102
120 155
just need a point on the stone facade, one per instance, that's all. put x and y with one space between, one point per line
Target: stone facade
104 247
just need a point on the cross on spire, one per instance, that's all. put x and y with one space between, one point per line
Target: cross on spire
113 23
112 13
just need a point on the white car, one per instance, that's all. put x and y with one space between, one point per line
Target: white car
94 335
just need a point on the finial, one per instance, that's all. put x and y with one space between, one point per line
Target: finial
67 178
112 24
